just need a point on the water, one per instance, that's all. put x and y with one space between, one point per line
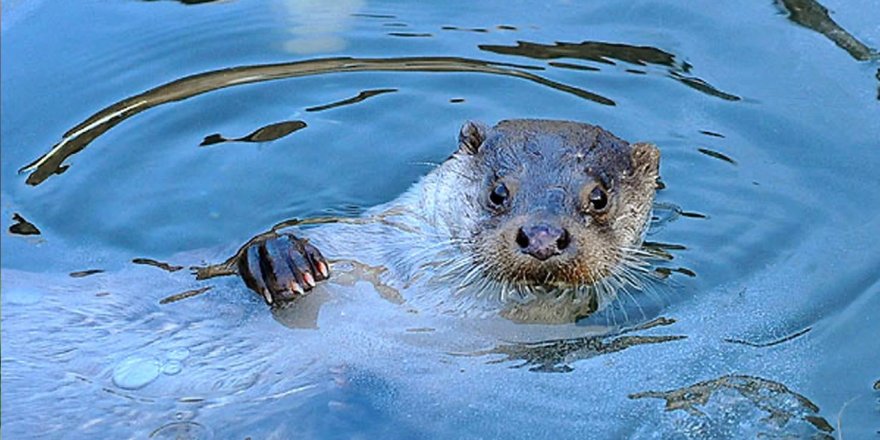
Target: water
769 133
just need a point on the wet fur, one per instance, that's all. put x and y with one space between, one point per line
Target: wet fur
444 226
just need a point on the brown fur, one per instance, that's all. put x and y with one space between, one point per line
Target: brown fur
549 168
446 231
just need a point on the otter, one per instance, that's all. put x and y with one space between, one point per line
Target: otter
538 220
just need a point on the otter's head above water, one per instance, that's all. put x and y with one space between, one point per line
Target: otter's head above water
544 206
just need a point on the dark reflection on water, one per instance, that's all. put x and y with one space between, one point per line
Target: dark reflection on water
362 15
573 66
160 264
599 52
87 131
556 356
85 273
716 155
782 340
22 226
189 2
410 34
456 28
812 15
268 133
665 272
353 100
605 53
780 412
693 214
712 133
786 280
184 295
702 86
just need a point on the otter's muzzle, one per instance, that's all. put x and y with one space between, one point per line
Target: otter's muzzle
542 240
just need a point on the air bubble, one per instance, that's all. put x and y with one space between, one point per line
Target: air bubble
136 372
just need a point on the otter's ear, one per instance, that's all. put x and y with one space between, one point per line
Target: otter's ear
646 159
471 136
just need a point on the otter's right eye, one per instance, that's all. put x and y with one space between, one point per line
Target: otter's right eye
499 194
598 199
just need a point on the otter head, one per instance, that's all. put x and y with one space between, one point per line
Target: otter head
561 204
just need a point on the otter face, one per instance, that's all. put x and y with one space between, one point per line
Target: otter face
563 204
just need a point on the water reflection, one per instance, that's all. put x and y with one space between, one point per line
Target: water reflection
571 66
315 26
812 15
782 340
456 28
734 406
589 50
79 137
85 273
606 53
22 226
191 2
184 295
410 34
712 133
365 15
243 373
353 100
160 264
556 356
268 133
716 155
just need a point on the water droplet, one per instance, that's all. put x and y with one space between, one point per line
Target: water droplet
178 354
22 295
172 367
136 372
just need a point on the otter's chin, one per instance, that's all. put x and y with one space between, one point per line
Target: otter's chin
554 274
537 264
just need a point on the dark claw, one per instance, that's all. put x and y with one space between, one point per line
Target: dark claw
322 271
251 272
282 267
281 279
298 262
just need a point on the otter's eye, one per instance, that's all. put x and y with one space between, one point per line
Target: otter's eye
598 199
499 194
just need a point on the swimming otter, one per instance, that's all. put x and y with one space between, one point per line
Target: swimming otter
542 218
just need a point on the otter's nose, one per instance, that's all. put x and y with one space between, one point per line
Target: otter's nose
542 240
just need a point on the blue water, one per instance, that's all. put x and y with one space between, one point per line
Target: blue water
770 137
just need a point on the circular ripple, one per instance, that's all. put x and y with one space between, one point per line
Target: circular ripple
22 295
182 431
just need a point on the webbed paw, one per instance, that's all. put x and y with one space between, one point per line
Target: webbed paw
282 267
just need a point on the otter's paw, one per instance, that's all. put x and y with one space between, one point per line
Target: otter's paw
282 267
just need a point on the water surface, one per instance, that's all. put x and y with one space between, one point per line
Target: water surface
176 131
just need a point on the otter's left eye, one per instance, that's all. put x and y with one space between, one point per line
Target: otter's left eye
499 194
598 199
